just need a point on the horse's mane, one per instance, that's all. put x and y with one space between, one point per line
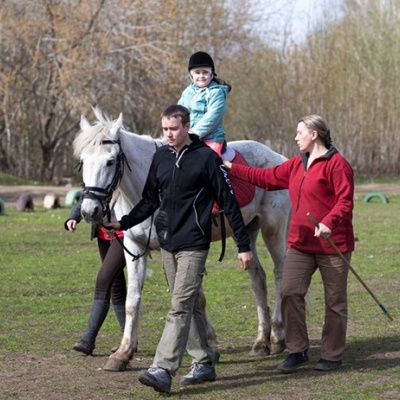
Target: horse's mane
94 134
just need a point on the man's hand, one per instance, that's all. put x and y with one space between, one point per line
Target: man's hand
245 260
111 227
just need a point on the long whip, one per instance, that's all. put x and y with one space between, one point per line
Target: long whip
351 269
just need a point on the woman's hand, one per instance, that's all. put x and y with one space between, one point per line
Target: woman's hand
322 231
228 164
71 225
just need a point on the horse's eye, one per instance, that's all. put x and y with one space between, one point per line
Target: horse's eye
110 163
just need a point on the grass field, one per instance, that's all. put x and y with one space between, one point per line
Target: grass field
46 288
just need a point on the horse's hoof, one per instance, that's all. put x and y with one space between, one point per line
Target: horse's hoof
277 348
260 351
115 365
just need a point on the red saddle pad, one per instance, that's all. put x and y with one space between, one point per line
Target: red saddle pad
244 191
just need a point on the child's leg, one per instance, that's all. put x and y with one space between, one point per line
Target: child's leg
216 146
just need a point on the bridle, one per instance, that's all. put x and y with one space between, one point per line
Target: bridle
104 195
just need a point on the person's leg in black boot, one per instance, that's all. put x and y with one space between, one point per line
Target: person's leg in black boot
113 259
96 318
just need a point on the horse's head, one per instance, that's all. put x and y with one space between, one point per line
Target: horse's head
101 160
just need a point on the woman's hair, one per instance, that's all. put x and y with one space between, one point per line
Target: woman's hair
177 111
318 124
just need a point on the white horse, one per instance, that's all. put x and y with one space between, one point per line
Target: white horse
115 164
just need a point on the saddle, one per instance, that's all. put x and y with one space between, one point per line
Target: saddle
244 191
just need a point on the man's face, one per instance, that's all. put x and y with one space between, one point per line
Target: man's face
175 133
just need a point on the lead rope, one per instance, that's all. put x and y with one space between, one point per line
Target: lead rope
135 257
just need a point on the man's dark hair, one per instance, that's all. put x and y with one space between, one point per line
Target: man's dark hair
176 111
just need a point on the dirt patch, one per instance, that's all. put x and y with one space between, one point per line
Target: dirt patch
389 189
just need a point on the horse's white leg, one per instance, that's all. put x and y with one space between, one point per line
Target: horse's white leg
136 276
276 244
211 336
258 282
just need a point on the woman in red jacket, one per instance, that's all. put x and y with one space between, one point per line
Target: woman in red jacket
320 182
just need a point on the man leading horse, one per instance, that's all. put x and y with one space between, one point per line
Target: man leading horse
184 180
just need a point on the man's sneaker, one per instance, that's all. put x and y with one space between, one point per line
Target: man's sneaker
294 361
200 373
326 365
157 378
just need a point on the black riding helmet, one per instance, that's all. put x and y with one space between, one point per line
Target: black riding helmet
201 59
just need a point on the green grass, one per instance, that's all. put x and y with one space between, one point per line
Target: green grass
46 289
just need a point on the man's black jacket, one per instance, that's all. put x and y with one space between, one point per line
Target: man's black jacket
184 186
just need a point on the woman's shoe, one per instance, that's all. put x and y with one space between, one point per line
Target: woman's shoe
83 347
326 365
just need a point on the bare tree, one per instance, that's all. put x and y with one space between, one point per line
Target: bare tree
58 58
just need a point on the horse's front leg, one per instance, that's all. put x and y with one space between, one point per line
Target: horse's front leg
136 275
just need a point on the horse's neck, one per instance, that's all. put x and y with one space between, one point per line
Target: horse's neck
139 151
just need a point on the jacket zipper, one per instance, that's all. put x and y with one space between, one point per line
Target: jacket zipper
300 189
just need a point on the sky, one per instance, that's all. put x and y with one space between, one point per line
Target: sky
298 16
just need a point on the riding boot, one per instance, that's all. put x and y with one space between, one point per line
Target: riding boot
96 318
119 310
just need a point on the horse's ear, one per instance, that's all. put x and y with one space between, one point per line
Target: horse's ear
116 126
84 123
